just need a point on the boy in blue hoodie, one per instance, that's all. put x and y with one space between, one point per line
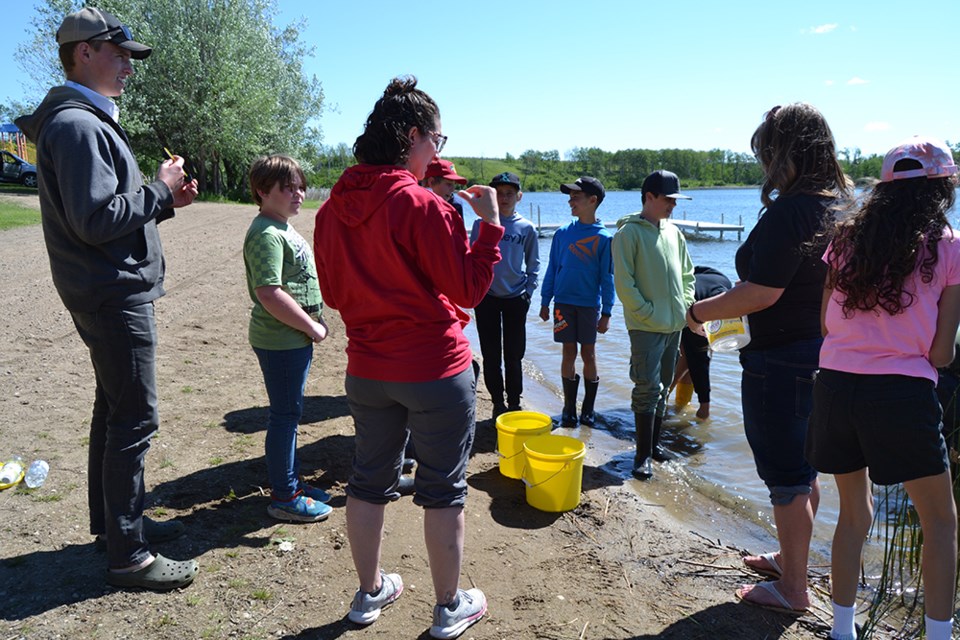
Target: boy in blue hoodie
579 279
502 314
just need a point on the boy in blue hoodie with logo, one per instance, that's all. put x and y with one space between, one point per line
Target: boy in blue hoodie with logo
579 279
502 314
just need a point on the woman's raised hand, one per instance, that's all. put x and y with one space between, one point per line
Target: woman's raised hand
484 202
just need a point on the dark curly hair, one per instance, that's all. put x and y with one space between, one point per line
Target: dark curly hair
892 234
795 146
386 135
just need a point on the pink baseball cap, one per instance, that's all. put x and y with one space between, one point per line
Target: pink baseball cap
934 156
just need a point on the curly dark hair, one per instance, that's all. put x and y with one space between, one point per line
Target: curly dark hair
795 146
892 234
386 135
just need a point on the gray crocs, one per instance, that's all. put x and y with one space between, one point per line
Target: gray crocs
160 575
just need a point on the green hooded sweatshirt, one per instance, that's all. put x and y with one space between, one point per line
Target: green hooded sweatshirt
653 274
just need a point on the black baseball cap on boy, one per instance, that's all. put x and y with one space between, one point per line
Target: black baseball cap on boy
663 183
588 185
506 178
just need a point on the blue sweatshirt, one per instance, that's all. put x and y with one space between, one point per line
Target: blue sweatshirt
580 271
519 265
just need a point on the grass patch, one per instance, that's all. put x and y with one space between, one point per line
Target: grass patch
215 460
50 497
165 463
262 595
13 216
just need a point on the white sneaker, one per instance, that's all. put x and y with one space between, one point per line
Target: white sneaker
366 607
471 606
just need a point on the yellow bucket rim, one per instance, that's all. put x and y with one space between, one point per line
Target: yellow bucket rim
503 421
580 448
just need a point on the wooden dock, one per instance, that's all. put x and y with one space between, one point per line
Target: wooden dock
687 226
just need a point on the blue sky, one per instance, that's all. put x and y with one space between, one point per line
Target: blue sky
620 74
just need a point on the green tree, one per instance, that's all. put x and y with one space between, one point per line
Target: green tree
223 85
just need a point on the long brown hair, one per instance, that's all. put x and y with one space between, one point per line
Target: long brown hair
795 146
894 233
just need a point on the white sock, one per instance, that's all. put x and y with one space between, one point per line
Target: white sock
843 628
938 629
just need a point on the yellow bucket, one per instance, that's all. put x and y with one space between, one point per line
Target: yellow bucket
513 428
554 472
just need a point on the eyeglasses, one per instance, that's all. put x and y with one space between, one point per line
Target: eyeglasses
122 34
439 140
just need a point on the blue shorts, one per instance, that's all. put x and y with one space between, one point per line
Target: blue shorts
440 415
575 324
887 423
776 392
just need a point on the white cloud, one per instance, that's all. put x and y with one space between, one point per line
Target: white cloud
821 29
876 126
857 80
829 83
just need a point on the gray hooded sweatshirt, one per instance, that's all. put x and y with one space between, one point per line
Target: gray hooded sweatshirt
99 218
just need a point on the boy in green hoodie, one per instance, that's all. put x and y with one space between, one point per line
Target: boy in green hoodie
653 275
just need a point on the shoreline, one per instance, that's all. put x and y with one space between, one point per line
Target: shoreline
620 566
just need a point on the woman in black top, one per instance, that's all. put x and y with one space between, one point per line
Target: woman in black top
780 291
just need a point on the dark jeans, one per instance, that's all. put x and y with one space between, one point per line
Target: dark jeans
285 377
502 329
122 344
776 391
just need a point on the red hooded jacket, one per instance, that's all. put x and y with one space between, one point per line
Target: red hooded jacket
394 259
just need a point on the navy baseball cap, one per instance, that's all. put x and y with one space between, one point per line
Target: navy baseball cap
590 186
506 178
663 183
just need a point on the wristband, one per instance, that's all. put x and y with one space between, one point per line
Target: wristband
693 315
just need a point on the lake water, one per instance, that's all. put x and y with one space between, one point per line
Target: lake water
718 463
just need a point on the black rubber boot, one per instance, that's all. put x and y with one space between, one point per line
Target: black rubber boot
660 454
570 387
587 417
643 460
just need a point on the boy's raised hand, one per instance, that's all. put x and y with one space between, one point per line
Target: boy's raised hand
484 202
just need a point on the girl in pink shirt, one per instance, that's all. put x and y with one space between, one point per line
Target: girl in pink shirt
891 307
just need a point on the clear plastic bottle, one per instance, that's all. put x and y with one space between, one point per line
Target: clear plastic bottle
36 474
12 472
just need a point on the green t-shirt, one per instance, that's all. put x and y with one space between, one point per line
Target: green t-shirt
274 254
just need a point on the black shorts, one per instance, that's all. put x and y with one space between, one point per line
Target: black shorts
575 324
887 423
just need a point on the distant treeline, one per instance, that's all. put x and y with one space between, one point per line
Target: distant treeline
618 170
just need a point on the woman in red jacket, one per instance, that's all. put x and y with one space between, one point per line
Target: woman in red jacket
394 259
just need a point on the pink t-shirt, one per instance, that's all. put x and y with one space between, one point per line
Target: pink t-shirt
874 342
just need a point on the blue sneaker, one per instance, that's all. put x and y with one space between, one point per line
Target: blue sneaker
299 508
316 493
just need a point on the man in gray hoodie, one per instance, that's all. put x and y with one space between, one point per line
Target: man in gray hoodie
100 228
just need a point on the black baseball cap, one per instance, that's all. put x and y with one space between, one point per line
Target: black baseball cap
590 186
506 178
663 183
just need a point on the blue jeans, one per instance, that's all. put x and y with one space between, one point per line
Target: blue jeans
653 361
122 345
285 376
776 392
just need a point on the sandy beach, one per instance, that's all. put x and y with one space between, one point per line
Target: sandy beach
632 561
